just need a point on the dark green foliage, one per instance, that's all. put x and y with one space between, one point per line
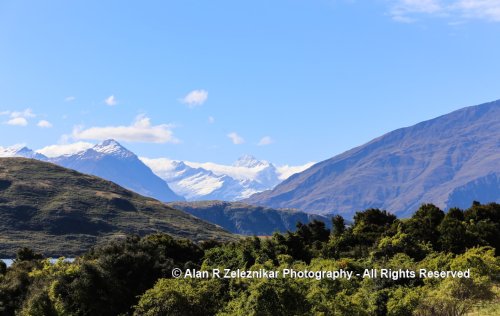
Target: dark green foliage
483 224
14 286
123 270
424 224
3 267
370 225
453 232
132 276
184 298
27 254
338 225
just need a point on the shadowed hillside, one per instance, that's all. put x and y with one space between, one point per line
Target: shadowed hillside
245 219
58 211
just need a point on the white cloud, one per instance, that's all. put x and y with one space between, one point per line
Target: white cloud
211 119
235 138
141 130
482 9
195 98
25 113
44 124
18 121
411 10
111 100
19 118
286 171
69 99
266 140
64 149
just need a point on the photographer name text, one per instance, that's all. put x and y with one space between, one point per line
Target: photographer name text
318 274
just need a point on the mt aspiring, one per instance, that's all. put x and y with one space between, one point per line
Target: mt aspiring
210 181
450 161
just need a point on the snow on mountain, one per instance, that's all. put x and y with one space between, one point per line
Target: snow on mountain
112 161
20 151
57 150
162 178
210 181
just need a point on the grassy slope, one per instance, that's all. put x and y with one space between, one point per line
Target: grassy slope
59 211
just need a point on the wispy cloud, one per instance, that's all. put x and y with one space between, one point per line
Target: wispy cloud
25 113
266 140
64 149
111 100
235 138
195 98
141 130
44 124
211 119
18 118
69 99
286 171
413 10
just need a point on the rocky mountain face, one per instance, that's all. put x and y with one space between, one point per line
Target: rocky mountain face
449 161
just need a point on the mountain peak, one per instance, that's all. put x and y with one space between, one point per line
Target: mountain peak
448 161
20 151
248 161
112 147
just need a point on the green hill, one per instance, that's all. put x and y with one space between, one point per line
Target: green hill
58 211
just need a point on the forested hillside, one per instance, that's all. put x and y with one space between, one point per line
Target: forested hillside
135 276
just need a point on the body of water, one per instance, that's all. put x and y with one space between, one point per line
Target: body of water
9 262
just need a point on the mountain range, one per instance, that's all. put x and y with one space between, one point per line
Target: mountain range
210 181
108 160
449 161
168 180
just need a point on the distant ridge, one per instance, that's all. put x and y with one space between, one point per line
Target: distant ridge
447 161
244 219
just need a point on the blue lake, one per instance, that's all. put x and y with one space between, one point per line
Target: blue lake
9 262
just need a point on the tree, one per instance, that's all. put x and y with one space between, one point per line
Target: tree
183 297
453 236
423 225
370 225
338 225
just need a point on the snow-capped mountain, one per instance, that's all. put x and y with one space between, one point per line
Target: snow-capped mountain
165 179
112 161
21 151
211 181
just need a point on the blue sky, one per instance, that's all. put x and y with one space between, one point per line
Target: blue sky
210 80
